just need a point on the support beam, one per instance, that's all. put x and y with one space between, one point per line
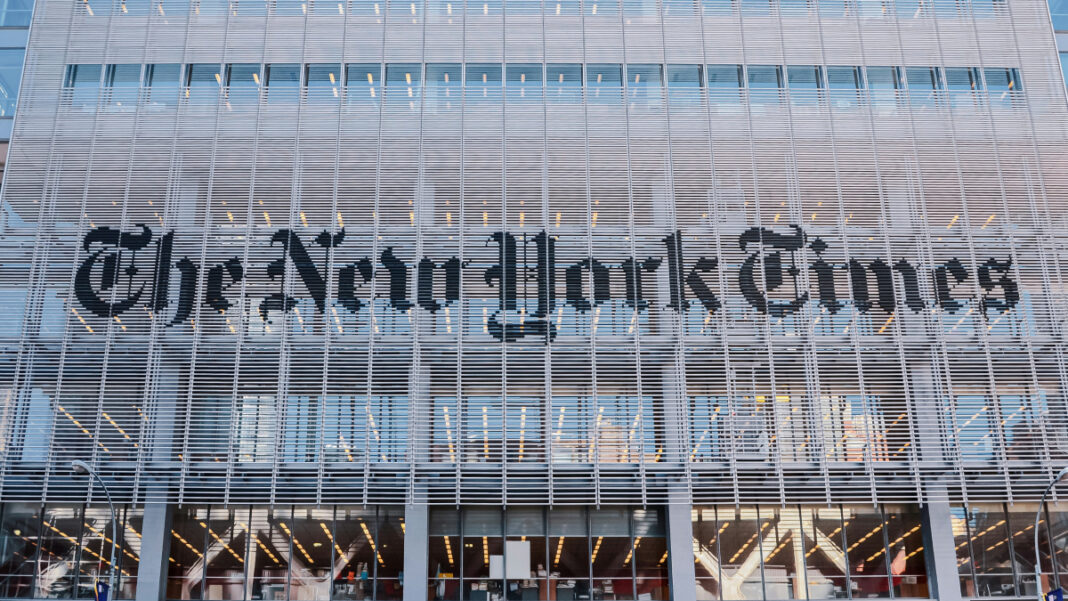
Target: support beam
416 524
941 555
680 552
155 549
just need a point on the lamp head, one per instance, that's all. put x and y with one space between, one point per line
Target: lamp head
1061 474
82 468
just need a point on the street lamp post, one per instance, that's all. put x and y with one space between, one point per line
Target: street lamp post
1038 513
82 468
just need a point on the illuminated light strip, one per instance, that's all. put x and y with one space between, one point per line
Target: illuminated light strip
371 540
448 551
560 549
892 543
748 542
297 543
816 545
865 537
175 534
663 558
340 553
73 310
117 427
374 430
485 437
485 550
109 541
264 548
983 533
221 542
83 547
448 435
344 445
630 554
781 546
888 322
596 548
82 428
522 430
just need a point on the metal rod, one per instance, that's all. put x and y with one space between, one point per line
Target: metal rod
82 467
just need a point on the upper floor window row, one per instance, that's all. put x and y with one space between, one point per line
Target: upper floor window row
447 10
206 83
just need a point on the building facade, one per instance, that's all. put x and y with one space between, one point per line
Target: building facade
550 300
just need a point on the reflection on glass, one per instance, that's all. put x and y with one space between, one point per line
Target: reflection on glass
202 82
604 83
764 81
162 83
524 82
122 83
844 85
644 84
804 82
363 83
323 81
684 83
867 552
725 83
83 84
283 82
20 527
15 13
242 82
403 83
563 82
923 82
483 82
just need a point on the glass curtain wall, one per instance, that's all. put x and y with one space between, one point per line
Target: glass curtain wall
532 554
284 552
838 552
996 548
59 551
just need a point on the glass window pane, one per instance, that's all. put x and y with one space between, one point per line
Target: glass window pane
644 83
15 13
923 78
684 83
963 78
563 82
353 533
162 83
525 521
804 77
123 83
202 82
867 552
825 558
83 81
443 569
784 576
604 83
483 82
992 557
224 575
60 531
482 522
908 568
402 82
764 76
444 85
242 82
999 79
313 545
269 553
19 538
524 82
883 78
188 540
283 82
1059 11
323 81
363 83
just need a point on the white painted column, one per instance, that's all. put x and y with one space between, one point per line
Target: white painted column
155 549
416 531
682 576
